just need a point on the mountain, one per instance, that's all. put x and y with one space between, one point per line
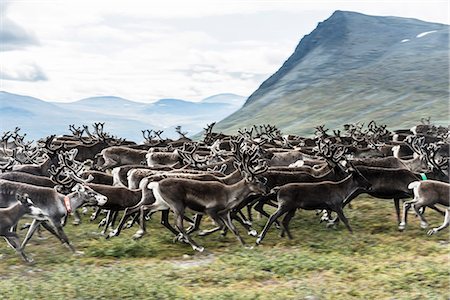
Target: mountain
355 67
123 117
228 98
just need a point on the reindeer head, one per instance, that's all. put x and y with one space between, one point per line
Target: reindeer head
250 164
30 208
88 195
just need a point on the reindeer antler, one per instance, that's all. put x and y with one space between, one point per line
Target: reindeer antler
182 134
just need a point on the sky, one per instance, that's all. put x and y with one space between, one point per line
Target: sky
63 50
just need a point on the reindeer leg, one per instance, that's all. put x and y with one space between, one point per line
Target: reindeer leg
406 207
249 214
432 206
196 225
76 217
179 217
128 211
107 222
342 217
243 218
13 241
285 223
165 221
134 219
259 208
63 237
113 218
227 220
250 230
397 208
444 225
423 221
280 211
141 231
34 225
217 220
95 214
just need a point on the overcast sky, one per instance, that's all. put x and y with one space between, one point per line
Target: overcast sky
146 50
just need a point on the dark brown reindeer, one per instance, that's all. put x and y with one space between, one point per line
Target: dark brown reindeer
331 171
9 217
209 197
325 195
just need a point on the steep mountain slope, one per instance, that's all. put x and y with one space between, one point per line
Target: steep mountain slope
123 117
355 67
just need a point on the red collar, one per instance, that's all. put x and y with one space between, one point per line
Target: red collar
67 204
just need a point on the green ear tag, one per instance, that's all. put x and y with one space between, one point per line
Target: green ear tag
424 177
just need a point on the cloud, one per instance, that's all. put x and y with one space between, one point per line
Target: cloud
25 72
147 50
12 35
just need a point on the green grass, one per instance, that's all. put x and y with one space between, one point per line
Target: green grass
376 262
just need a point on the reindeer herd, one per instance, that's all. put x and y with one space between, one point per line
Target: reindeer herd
225 177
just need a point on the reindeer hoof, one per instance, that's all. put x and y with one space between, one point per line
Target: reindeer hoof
247 222
324 218
423 225
331 224
431 231
138 235
199 248
129 225
258 241
401 226
28 260
76 222
111 234
201 233
253 233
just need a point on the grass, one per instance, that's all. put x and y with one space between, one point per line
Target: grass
376 262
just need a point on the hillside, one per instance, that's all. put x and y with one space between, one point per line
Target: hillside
355 67
123 117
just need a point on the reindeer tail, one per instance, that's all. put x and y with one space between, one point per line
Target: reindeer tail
413 185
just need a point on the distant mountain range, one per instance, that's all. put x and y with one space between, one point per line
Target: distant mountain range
123 117
355 67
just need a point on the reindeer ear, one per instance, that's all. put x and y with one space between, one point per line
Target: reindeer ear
21 198
78 188
58 188
26 197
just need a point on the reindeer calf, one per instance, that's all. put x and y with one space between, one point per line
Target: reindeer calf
428 193
9 217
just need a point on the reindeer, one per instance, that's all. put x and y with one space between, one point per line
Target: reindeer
28 178
119 155
428 193
309 196
10 216
52 203
209 197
